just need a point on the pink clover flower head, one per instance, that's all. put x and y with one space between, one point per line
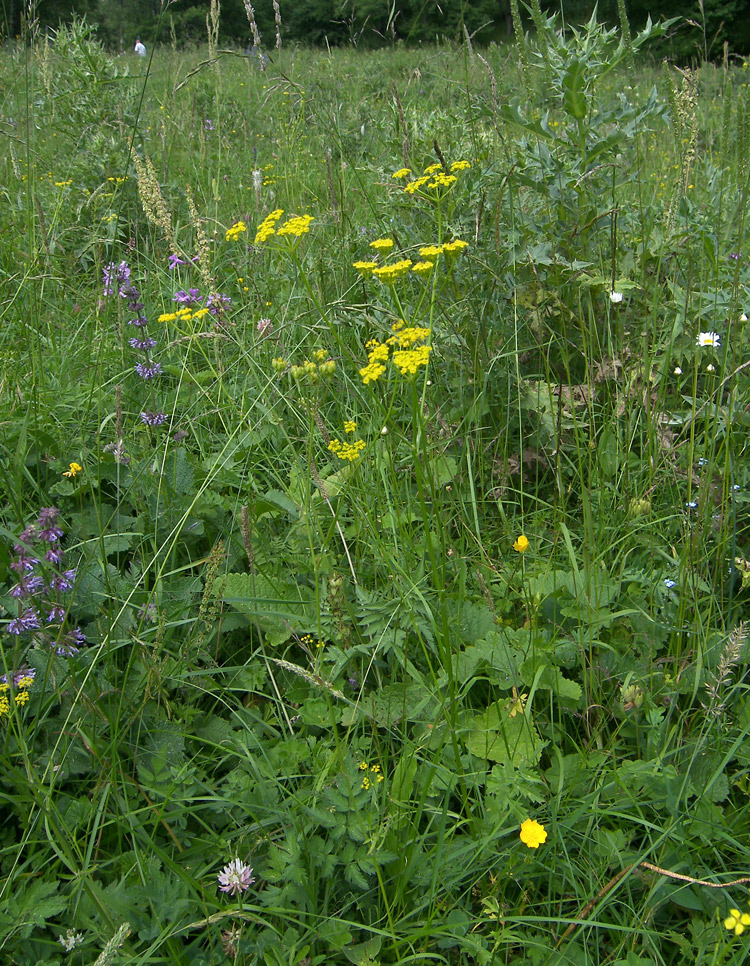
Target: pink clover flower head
265 327
235 877
712 340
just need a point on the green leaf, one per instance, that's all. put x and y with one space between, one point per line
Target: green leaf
574 90
278 607
494 736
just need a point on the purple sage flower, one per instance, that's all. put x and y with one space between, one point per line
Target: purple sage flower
174 261
150 418
55 614
140 322
27 587
28 621
189 298
143 344
148 372
217 303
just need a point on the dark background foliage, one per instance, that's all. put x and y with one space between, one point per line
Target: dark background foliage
704 30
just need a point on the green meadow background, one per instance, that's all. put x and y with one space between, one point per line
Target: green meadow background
421 593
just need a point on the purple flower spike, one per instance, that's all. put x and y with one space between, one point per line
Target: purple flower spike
142 344
174 261
153 419
28 621
148 372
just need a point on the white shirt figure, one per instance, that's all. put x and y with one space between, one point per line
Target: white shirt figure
139 48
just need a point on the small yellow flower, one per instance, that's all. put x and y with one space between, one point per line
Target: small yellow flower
350 426
401 173
522 544
737 921
517 703
533 834
460 166
433 168
363 766
75 469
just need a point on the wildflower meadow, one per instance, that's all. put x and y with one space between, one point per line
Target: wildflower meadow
375 536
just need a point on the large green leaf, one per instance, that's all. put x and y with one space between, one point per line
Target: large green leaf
495 736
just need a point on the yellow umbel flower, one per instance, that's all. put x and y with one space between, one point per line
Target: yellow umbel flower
408 361
460 166
390 273
382 244
295 226
365 268
422 268
401 173
236 230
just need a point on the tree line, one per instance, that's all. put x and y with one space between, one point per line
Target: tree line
707 24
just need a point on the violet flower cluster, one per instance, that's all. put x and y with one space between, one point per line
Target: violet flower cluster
147 368
41 584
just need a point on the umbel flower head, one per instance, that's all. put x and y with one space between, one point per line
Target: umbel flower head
235 877
533 834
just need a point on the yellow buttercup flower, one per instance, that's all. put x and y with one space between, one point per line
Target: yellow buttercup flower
737 921
533 834
522 544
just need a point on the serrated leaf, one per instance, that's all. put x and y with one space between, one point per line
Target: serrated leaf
494 736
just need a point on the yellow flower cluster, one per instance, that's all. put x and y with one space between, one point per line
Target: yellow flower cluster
366 268
350 426
382 244
183 315
346 450
401 173
268 226
422 268
376 774
236 230
407 356
434 178
74 470
447 248
408 361
297 226
21 696
390 273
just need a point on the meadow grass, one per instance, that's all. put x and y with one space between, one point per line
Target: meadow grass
374 540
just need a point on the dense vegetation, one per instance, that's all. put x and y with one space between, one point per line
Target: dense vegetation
703 30
374 543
